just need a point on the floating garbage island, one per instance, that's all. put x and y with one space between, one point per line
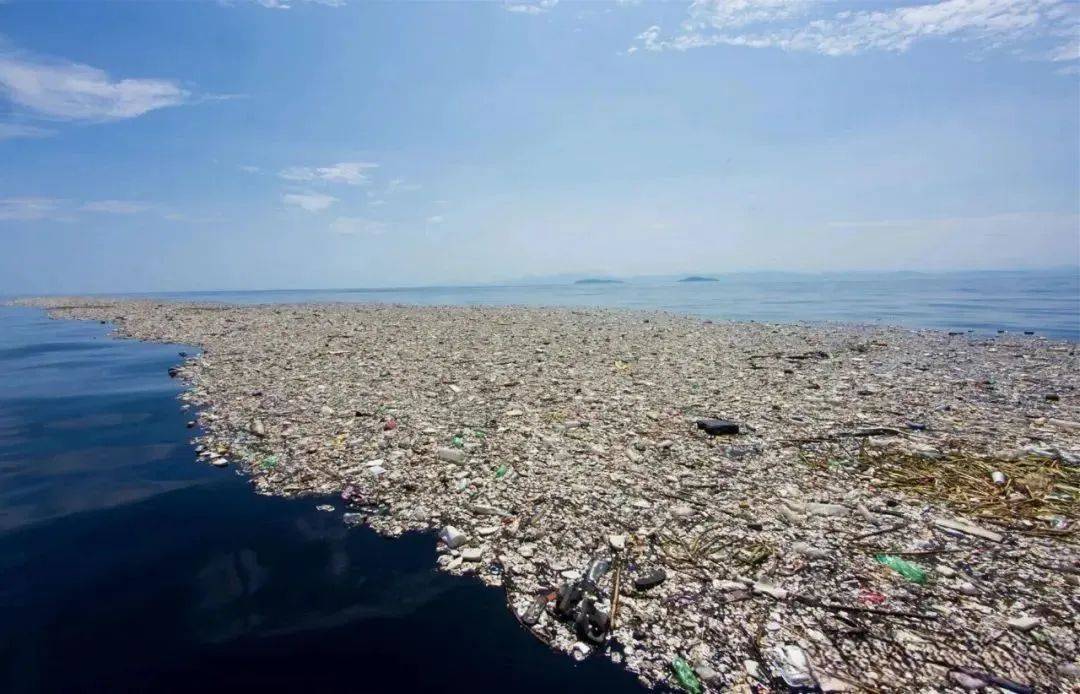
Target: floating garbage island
717 506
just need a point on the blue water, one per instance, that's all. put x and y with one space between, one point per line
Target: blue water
1047 302
126 566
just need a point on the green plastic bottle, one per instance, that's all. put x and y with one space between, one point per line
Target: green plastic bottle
905 568
684 674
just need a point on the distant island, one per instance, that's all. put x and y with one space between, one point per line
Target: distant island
698 278
598 280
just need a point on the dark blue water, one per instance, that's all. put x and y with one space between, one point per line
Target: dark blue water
126 566
1047 302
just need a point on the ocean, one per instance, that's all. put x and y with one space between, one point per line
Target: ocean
1046 302
127 566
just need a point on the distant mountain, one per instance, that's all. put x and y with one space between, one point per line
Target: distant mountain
698 278
598 280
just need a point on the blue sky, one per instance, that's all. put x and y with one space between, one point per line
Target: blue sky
172 146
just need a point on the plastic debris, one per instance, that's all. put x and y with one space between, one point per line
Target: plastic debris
871 597
966 681
905 568
717 427
536 608
450 455
792 666
806 550
819 480
452 537
995 680
650 579
968 529
1024 623
576 601
685 676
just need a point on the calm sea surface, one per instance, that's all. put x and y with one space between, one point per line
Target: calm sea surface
126 566
983 302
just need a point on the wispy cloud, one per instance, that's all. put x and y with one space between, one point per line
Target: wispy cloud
59 90
377 195
115 207
725 14
436 219
357 226
538 7
287 4
11 131
61 209
400 185
987 24
27 209
350 172
312 202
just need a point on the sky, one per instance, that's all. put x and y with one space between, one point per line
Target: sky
170 146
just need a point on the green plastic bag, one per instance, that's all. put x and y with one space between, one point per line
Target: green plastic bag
685 676
905 568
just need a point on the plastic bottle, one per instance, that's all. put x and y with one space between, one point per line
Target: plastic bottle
685 676
906 569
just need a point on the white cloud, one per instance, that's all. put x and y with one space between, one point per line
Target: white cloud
27 209
987 23
71 91
312 202
287 4
11 131
115 206
376 203
1069 50
357 226
61 210
351 172
723 14
539 7
248 168
436 219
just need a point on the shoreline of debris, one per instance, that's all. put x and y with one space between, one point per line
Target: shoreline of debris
717 506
